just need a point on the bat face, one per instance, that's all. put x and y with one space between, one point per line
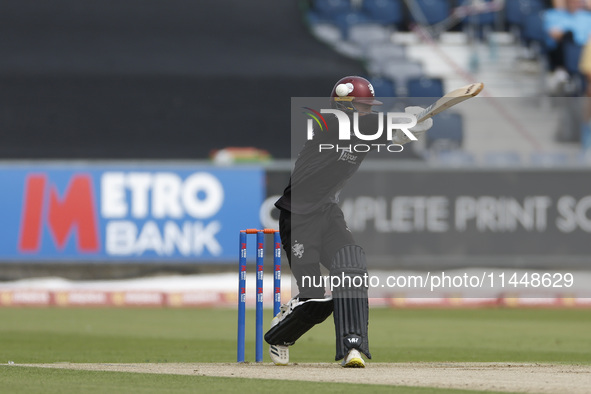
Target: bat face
474 89
466 91
452 98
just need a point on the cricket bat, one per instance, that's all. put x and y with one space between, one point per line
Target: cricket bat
449 100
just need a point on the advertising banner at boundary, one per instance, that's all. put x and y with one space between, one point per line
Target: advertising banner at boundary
190 213
119 213
424 218
503 217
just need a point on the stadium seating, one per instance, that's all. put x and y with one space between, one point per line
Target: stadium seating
423 91
369 31
400 71
383 87
364 34
478 24
425 87
434 11
384 11
344 21
516 10
532 31
487 18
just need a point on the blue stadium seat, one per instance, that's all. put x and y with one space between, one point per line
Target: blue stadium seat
400 71
383 87
532 29
384 11
447 133
487 18
347 19
423 91
425 87
516 10
434 10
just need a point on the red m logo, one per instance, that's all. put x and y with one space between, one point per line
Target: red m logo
75 209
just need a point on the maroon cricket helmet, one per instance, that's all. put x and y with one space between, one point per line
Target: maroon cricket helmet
353 89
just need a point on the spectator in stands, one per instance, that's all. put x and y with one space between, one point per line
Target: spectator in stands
573 22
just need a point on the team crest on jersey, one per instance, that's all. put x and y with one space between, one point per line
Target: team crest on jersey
298 249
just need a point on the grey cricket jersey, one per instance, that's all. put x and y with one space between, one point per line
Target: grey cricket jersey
319 175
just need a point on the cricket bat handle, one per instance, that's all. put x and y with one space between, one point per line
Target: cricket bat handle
425 114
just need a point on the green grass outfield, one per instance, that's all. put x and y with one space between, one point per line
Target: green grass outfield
103 335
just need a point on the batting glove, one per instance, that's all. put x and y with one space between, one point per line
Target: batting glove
401 138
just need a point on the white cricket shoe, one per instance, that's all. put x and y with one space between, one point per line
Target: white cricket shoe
279 353
353 360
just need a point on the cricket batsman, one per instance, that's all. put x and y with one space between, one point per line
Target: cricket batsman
313 230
